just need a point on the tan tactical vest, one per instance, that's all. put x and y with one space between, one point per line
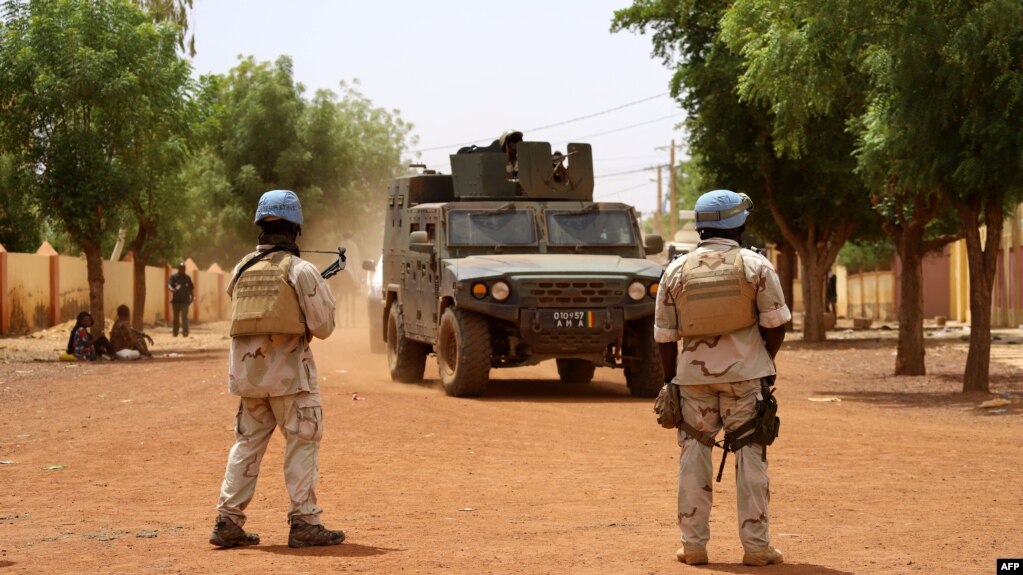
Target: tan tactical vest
264 301
715 297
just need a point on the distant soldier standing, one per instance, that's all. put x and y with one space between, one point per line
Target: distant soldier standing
180 285
726 305
279 302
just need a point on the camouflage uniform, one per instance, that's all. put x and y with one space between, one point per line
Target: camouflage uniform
719 379
275 375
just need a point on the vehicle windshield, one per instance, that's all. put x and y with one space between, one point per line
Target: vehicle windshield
590 227
491 228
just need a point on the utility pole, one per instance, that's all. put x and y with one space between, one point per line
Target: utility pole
672 199
659 222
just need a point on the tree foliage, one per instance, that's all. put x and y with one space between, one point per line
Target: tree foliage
942 88
335 150
815 201
19 220
82 86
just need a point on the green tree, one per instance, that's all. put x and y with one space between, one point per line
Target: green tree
363 145
255 137
161 148
80 84
336 151
814 200
943 90
19 220
805 60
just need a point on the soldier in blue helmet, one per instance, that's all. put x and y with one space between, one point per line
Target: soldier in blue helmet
279 303
726 305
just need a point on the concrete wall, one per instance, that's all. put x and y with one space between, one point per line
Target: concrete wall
871 295
156 294
38 291
73 294
28 291
936 285
118 287
207 294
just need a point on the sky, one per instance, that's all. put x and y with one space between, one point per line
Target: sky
464 72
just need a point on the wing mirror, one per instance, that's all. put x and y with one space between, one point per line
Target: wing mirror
653 244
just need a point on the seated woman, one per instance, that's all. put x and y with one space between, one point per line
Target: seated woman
82 345
128 342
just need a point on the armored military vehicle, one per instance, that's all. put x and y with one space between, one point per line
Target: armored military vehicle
489 267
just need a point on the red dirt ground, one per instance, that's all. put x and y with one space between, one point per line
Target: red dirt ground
889 475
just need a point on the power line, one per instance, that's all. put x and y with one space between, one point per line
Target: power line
586 117
636 171
629 127
601 113
643 157
620 192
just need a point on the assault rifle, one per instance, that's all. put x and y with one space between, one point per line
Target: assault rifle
338 265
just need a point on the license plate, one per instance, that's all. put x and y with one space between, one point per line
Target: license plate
570 319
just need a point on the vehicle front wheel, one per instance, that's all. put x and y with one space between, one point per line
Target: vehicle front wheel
643 372
405 358
463 353
575 370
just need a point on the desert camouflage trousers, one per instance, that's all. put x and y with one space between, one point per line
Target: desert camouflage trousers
708 408
300 418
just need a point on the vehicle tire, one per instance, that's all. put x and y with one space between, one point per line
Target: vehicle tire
405 358
463 353
376 331
575 370
643 372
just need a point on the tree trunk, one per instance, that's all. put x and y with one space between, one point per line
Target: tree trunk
817 247
138 296
909 358
908 227
813 280
94 270
138 247
982 263
787 272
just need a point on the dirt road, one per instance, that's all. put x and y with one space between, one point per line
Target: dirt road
879 475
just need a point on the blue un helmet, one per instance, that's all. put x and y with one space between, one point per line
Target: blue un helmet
722 209
281 204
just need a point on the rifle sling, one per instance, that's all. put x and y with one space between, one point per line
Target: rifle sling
704 438
258 257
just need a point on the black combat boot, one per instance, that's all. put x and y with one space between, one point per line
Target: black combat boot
307 535
227 534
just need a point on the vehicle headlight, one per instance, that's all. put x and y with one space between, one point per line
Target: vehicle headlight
500 291
637 290
479 290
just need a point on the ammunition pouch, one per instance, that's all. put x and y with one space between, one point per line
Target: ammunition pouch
668 406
